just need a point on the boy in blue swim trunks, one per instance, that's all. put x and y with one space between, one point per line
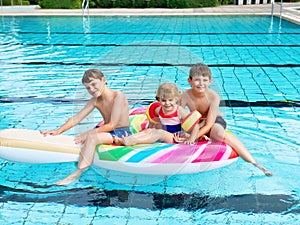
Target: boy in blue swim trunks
206 101
112 105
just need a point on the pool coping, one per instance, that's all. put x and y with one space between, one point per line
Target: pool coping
290 11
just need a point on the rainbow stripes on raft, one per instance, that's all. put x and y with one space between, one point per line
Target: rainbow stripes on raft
162 158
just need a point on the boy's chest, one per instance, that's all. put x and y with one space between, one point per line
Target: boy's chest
200 104
105 105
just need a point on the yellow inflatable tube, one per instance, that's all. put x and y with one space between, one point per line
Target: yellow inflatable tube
191 120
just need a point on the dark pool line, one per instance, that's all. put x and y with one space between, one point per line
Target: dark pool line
239 103
275 104
41 100
91 196
156 45
228 103
148 64
153 33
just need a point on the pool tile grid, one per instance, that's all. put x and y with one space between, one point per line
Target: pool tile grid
210 55
55 40
164 217
95 215
261 78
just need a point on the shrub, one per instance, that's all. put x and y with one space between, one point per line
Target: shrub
60 4
154 3
15 2
76 4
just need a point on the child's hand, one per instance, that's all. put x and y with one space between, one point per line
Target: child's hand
49 132
189 142
80 139
178 138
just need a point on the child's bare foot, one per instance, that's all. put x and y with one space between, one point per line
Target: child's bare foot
71 178
261 167
204 138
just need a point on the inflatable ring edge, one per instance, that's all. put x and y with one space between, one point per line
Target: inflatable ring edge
150 112
191 120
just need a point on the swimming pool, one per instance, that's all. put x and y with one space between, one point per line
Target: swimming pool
256 67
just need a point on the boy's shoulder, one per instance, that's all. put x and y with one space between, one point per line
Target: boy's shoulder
188 95
186 92
189 92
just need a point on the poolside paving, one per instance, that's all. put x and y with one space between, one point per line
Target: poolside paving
289 11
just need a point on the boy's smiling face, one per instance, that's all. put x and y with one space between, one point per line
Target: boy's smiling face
95 87
199 83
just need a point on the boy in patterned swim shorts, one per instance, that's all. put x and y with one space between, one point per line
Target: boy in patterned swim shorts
112 105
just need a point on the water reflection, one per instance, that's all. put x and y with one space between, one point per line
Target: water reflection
86 24
254 203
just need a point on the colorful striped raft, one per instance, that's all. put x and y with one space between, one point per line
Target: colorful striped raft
162 158
29 146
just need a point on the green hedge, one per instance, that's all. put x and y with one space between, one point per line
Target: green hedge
60 4
155 3
73 4
15 2
76 4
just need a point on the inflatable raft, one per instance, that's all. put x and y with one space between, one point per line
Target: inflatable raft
29 146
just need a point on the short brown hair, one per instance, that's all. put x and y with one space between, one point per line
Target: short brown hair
91 73
200 69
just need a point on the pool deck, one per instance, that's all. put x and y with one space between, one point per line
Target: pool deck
290 11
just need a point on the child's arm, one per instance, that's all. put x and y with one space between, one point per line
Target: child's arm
191 139
182 113
212 113
156 125
183 102
152 114
74 120
194 135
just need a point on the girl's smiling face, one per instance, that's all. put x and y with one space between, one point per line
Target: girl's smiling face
95 87
168 95
169 105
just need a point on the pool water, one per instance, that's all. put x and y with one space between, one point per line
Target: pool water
255 62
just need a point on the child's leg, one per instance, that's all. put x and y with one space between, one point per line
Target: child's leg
148 136
218 133
87 155
88 152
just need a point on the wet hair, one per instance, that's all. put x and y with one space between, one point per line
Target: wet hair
168 90
200 69
91 73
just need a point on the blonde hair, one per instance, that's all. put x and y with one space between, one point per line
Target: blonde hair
168 90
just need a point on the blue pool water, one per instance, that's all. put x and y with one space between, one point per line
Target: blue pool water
256 69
